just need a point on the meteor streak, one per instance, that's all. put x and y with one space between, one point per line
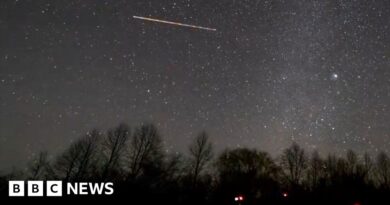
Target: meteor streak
174 23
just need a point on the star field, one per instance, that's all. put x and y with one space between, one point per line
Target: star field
314 72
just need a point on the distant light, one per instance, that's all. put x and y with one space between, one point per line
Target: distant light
285 194
239 198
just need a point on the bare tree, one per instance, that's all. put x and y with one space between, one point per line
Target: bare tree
39 167
315 169
173 166
383 169
201 152
247 171
367 167
66 163
335 168
144 149
357 168
113 147
352 162
76 162
89 145
294 162
243 161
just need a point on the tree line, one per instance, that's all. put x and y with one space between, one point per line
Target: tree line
144 173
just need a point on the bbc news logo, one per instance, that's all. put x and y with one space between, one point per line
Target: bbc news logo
55 188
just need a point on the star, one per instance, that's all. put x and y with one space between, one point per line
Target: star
334 76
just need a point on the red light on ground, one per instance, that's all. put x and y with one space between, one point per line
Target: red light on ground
357 203
239 198
285 194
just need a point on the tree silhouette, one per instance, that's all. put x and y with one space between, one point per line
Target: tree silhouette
144 150
89 148
294 162
367 167
39 168
173 167
383 169
315 170
77 161
201 152
113 148
144 173
248 172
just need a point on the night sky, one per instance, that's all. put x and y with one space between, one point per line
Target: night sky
311 71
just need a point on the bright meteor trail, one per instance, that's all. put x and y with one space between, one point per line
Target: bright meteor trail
174 23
